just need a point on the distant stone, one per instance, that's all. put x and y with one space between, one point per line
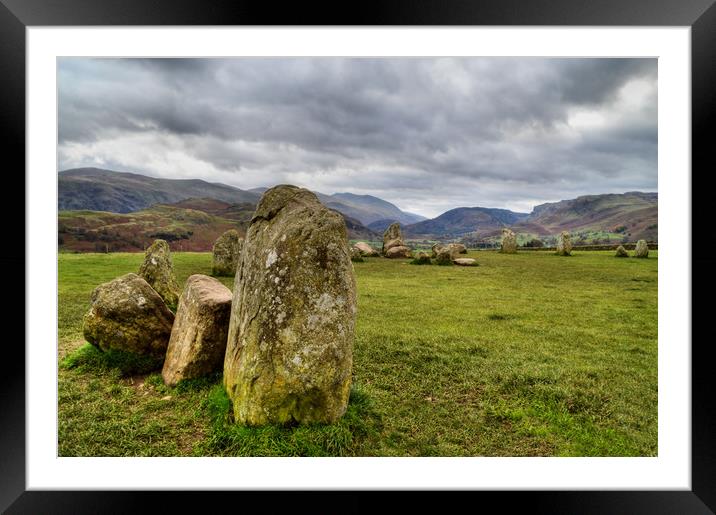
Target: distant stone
459 247
356 256
198 339
509 242
621 252
435 249
289 350
564 244
465 262
421 259
127 314
642 249
158 271
225 253
400 251
365 249
392 237
444 256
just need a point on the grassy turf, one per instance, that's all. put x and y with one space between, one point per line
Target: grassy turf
526 355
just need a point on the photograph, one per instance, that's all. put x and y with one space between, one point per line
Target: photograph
416 256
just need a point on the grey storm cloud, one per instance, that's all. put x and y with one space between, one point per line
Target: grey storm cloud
428 134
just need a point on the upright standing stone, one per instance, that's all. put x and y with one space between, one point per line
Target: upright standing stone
564 244
158 271
509 242
289 352
198 340
621 252
127 314
225 253
642 249
392 237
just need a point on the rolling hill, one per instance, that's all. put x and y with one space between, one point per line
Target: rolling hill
121 192
463 220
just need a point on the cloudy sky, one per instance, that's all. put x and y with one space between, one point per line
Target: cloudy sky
426 134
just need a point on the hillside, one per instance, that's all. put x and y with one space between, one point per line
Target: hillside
463 220
119 192
101 231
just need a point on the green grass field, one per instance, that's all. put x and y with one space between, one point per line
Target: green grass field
525 355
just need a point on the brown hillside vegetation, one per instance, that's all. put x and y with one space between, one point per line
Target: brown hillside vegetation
101 231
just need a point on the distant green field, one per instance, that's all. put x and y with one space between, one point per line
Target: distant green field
525 355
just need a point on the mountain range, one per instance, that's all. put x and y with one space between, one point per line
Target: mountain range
103 209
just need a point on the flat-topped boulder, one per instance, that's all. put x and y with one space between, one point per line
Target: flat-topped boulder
465 262
289 350
197 344
564 244
400 251
127 314
509 242
365 249
641 250
225 253
158 271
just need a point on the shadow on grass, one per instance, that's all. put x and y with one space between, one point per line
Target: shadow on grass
89 358
348 437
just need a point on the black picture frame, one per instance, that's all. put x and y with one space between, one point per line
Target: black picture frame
700 15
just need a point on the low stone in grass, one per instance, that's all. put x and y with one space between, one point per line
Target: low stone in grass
509 242
621 252
465 262
127 314
158 271
641 250
459 248
444 257
198 339
365 249
225 253
421 259
400 251
564 244
356 256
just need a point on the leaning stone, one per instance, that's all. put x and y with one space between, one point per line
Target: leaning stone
621 252
509 242
642 249
465 262
400 251
289 351
129 315
198 340
365 249
158 271
435 249
564 244
225 253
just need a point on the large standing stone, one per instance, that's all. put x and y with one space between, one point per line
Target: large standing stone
365 249
127 314
621 252
226 252
509 242
642 249
564 244
157 270
289 351
198 340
